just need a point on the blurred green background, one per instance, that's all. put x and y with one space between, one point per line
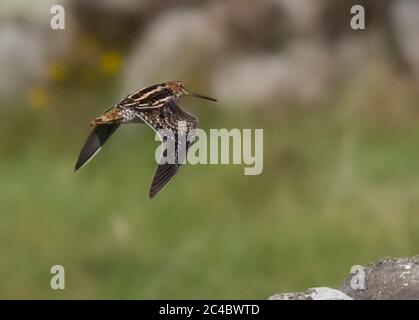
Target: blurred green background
339 109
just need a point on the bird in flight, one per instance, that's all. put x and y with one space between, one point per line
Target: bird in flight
156 106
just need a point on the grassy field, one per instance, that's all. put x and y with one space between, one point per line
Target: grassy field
340 187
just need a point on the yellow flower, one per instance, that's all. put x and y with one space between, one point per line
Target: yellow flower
111 63
57 71
38 97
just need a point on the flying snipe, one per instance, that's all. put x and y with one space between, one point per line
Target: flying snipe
155 106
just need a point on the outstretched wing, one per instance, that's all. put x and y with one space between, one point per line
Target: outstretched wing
94 143
164 172
182 125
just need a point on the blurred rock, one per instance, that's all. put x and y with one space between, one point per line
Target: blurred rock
304 17
259 54
180 44
27 43
30 12
388 279
120 6
301 73
22 59
252 25
405 16
249 53
120 23
321 293
189 44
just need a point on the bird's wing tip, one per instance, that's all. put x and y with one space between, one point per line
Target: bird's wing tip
152 192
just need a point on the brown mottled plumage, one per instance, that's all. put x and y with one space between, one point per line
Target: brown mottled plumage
155 106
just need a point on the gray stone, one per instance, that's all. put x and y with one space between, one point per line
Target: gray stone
320 293
388 279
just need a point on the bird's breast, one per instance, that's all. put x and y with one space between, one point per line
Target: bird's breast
129 115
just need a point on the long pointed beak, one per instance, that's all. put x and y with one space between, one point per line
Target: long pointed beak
200 96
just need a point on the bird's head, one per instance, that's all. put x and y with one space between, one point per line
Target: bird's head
178 89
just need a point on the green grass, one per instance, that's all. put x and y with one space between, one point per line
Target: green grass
338 188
